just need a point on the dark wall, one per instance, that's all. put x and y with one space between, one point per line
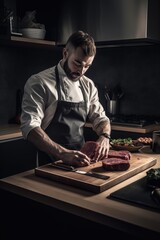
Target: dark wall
136 69
17 64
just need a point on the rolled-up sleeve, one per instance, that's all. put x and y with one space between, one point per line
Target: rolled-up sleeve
32 106
96 112
36 104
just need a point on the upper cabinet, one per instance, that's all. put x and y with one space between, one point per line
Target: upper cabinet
46 14
112 21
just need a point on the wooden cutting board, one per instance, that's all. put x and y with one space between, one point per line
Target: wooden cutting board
138 163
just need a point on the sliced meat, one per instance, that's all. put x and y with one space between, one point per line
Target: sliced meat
115 164
124 154
89 148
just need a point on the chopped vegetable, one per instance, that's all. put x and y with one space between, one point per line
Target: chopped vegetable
123 142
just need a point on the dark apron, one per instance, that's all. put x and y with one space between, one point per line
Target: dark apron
66 127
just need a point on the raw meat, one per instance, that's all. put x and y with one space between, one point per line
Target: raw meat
115 161
115 164
89 148
123 154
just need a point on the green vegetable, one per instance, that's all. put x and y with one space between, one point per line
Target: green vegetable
122 141
153 173
153 177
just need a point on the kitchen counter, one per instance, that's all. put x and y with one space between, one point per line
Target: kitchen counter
9 131
145 129
98 208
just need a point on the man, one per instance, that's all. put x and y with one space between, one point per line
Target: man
58 101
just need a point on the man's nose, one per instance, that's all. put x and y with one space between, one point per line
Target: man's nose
81 69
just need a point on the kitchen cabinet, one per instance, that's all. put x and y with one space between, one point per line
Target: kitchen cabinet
45 14
16 155
16 10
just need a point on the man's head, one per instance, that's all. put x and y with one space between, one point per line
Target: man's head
78 55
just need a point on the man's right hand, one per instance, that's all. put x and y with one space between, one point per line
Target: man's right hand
75 158
71 157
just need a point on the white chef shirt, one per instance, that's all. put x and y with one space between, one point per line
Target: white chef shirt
40 99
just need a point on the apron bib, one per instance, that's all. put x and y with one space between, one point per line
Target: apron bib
66 127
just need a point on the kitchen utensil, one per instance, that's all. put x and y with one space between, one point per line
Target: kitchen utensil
107 96
113 107
71 168
131 148
37 33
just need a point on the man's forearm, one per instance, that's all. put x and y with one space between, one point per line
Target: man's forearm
42 141
104 127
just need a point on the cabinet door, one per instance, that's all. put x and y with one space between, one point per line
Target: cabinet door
16 155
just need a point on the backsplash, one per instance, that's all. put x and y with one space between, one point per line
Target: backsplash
17 64
135 69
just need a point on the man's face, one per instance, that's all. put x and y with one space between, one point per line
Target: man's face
76 64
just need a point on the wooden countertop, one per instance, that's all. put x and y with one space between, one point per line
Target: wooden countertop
95 207
145 129
9 131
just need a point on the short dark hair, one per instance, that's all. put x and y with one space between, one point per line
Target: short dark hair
83 40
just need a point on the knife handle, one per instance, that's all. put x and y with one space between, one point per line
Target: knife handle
62 166
97 175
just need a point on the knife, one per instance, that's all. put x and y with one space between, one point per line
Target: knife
72 169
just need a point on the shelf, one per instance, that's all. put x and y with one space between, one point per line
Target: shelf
21 41
33 41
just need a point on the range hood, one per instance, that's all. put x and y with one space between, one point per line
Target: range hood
112 22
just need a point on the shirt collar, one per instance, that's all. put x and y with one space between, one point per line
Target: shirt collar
61 70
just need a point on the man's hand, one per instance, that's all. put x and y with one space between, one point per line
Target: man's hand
102 151
75 158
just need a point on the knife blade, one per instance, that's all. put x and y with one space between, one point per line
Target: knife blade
72 169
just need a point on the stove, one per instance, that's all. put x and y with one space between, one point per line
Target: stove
133 120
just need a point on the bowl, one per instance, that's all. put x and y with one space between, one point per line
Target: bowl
37 33
134 147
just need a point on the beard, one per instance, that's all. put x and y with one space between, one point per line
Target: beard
74 76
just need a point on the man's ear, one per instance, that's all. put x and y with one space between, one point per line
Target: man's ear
65 53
